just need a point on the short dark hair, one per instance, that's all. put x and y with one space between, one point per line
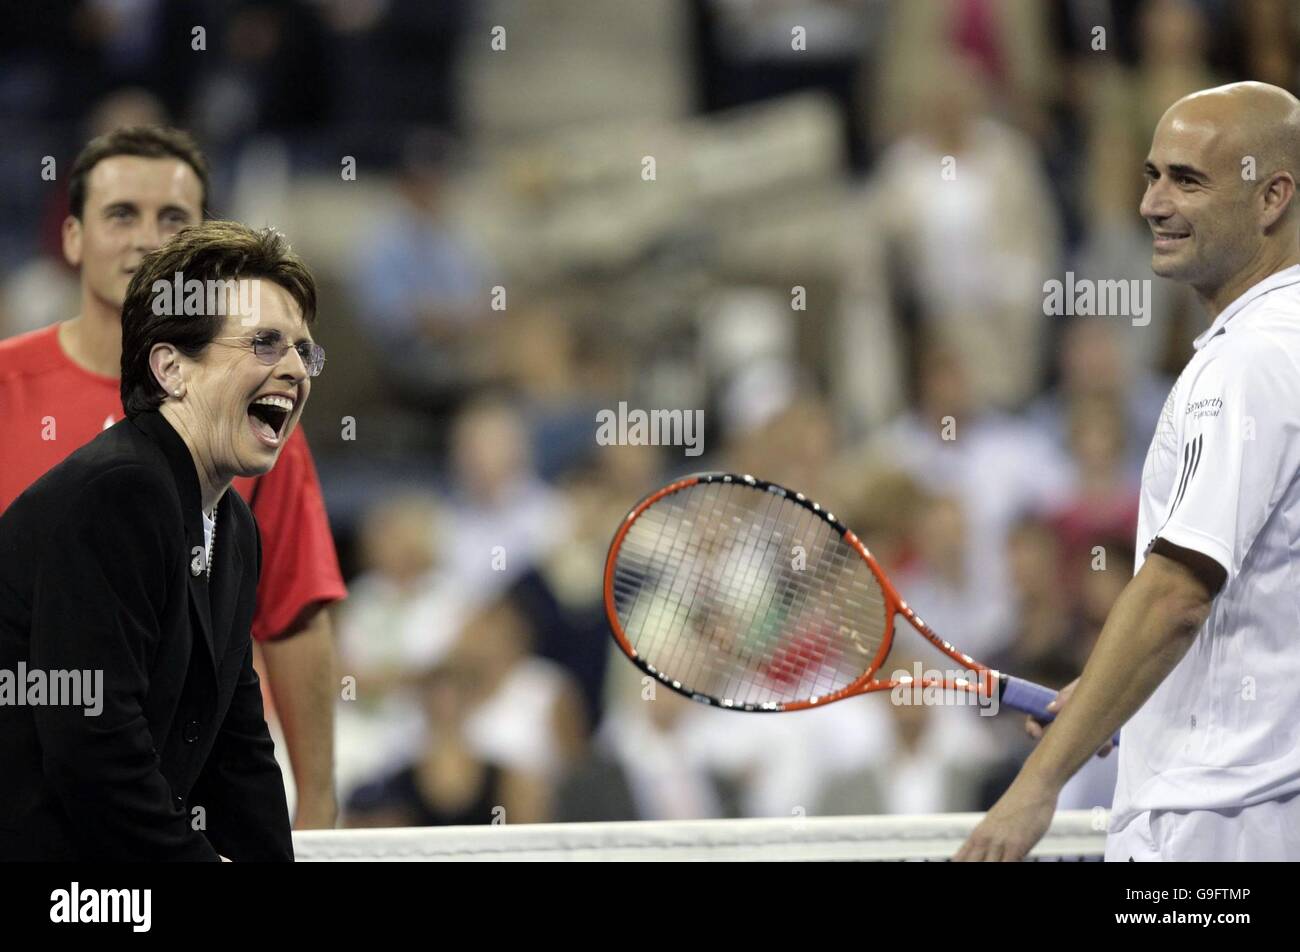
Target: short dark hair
210 251
149 142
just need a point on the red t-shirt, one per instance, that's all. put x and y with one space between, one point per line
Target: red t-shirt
49 407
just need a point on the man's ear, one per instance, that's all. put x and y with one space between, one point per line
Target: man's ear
165 362
1279 196
72 240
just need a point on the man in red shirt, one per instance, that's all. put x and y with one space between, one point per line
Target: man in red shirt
129 191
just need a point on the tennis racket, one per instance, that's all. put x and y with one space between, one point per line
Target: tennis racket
747 596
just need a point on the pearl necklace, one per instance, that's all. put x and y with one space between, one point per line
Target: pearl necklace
212 545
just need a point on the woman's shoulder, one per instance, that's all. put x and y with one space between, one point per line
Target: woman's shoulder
120 464
113 477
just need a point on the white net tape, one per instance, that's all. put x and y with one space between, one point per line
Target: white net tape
1074 835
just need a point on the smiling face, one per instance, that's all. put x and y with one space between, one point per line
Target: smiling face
133 204
1196 202
1219 188
240 410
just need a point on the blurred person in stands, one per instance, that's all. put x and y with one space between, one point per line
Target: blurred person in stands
529 715
129 192
576 634
882 504
420 285
966 209
1006 43
772 767
746 55
1174 38
1061 605
402 617
1105 498
794 446
927 761
996 465
1044 636
500 517
124 109
1047 643
1099 583
272 74
447 783
1269 30
547 360
1095 366
643 764
941 580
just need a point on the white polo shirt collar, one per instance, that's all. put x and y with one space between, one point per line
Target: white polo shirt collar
1279 279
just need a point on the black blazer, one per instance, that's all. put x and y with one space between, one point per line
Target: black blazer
102 568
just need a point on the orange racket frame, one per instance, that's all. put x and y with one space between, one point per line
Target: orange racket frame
985 680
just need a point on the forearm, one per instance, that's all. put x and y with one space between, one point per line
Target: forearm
1147 633
300 670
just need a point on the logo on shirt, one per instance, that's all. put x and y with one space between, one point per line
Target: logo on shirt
1191 462
1199 409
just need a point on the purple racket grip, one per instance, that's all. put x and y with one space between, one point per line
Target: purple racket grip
1032 699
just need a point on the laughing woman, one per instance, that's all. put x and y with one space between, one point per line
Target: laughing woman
132 564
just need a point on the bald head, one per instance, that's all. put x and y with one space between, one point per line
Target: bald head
1245 119
1221 183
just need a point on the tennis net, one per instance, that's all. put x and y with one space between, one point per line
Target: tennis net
1074 835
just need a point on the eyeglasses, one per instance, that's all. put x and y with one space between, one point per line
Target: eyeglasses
270 347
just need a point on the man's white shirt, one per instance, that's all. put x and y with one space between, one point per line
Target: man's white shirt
1223 729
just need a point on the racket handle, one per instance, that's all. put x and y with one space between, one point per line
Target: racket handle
1032 699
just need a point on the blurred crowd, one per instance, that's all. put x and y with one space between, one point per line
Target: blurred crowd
825 223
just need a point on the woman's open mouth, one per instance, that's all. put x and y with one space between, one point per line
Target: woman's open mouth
268 417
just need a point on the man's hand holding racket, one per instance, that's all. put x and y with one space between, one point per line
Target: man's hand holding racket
1023 814
1035 728
1150 628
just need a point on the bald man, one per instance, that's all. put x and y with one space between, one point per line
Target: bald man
1199 660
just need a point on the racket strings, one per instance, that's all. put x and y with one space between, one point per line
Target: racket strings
746 596
784 666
